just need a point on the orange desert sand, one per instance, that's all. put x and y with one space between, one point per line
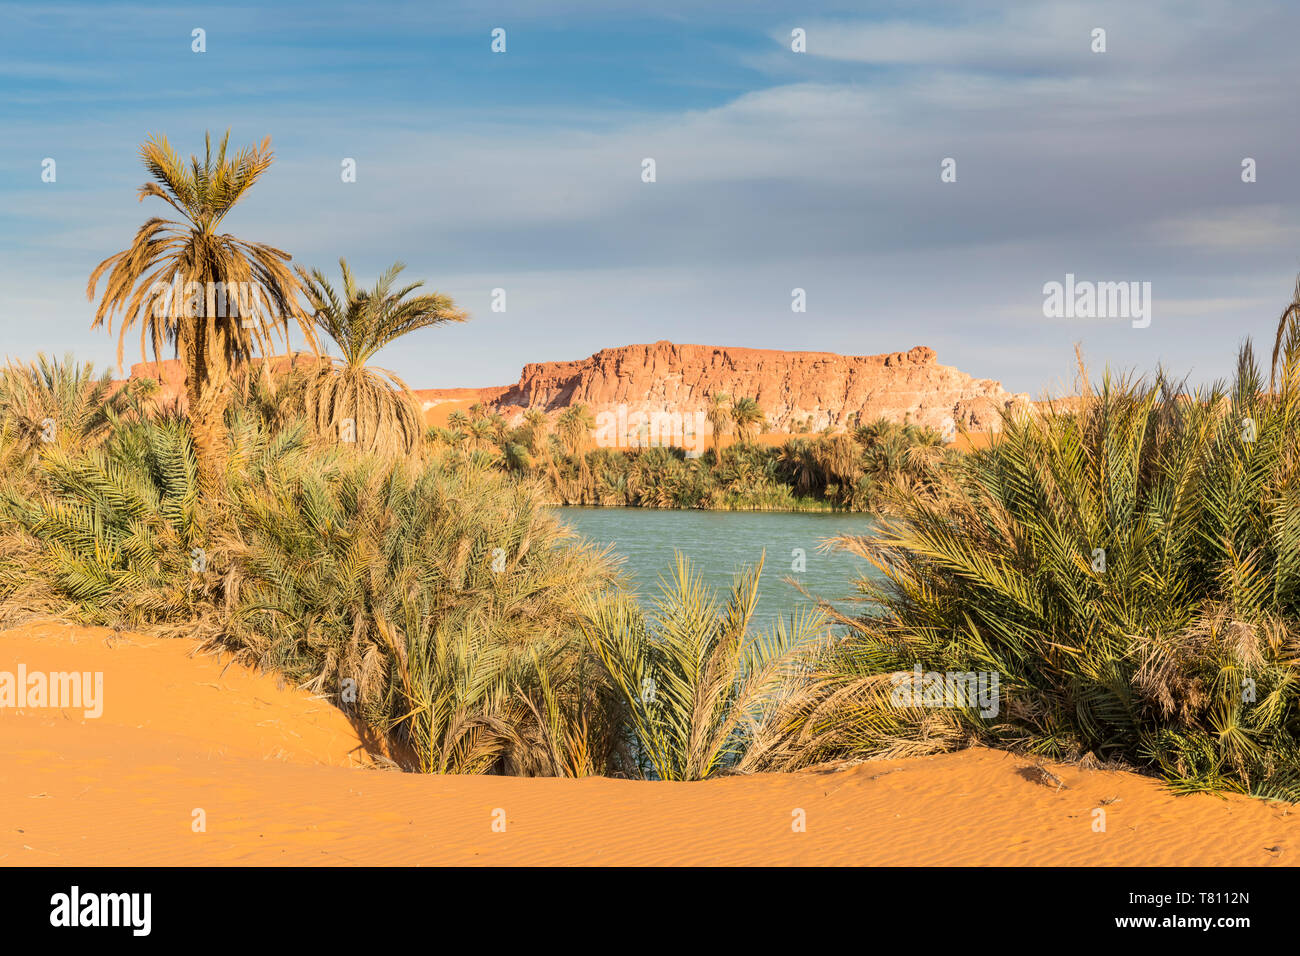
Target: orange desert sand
278 775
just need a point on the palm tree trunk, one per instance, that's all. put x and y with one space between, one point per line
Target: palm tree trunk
207 392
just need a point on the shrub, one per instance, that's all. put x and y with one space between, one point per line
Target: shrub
110 534
450 597
704 694
1131 570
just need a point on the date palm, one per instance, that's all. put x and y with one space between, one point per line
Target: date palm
719 416
749 419
800 460
480 434
177 279
706 691
537 425
383 413
58 402
574 426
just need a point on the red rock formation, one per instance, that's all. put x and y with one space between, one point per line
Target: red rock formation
820 388
170 376
817 388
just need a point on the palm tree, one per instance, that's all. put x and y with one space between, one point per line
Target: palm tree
516 458
872 433
719 416
449 437
479 431
800 460
1289 316
177 277
574 425
497 422
536 422
749 419
1127 614
383 411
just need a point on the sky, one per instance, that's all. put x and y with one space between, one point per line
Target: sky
775 170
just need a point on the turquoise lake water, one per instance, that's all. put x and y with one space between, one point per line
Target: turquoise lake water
720 542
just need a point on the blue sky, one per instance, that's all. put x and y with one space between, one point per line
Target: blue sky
775 170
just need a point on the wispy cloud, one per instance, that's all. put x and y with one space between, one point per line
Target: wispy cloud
774 169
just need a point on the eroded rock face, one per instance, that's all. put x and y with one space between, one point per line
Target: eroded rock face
168 373
794 389
170 376
818 389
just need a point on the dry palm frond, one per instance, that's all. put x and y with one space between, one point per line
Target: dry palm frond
59 402
348 400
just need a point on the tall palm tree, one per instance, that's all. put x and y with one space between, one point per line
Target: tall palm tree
177 279
749 419
385 416
719 416
479 431
574 426
537 423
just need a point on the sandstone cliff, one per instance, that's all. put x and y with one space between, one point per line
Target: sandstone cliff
818 389
794 389
170 375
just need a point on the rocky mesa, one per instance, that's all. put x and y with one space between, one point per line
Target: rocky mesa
794 389
797 390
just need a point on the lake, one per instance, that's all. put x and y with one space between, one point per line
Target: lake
720 542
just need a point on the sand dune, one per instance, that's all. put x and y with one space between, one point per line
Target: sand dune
280 779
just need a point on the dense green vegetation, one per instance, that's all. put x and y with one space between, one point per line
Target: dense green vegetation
1130 570
434 598
846 471
439 605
